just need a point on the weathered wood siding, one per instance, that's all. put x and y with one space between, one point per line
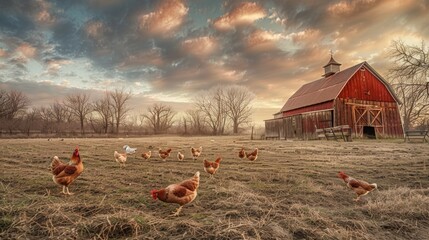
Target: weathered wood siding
272 128
301 126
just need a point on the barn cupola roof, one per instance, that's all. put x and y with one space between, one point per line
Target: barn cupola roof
331 67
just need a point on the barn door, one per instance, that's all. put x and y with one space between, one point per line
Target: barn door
367 116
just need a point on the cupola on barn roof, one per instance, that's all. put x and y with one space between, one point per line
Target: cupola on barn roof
331 67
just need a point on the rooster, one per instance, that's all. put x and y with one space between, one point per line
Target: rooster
360 187
180 193
147 155
196 152
253 155
241 153
64 174
180 156
212 167
164 154
120 158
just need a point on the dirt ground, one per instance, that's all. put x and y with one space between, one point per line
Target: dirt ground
290 192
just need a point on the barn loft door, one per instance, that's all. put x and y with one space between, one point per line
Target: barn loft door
367 115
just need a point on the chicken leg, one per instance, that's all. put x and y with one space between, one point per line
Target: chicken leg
69 193
177 212
66 192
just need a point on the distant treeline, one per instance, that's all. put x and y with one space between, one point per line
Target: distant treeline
218 111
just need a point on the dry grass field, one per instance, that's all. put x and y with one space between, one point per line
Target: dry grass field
290 192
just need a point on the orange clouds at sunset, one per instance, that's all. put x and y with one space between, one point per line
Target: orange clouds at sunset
245 13
173 48
168 16
26 50
201 46
262 40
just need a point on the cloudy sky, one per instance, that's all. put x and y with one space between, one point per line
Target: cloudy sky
171 50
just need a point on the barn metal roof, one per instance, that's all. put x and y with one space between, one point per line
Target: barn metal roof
327 88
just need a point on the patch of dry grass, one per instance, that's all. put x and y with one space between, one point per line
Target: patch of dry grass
290 192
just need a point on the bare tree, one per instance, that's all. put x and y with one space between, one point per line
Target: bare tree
408 72
414 101
238 101
160 117
104 110
30 121
212 104
60 115
185 125
409 60
4 102
79 105
12 103
196 121
119 99
46 118
12 106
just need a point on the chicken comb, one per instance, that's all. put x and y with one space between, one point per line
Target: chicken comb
341 174
154 194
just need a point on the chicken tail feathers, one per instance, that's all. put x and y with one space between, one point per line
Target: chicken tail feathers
55 163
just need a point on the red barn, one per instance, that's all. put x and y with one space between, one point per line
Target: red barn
357 96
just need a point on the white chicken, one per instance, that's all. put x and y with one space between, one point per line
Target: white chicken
129 150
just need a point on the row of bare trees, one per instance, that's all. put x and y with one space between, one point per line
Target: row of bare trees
214 112
221 108
216 109
409 74
60 116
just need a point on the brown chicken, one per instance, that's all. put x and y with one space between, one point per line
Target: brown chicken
241 153
212 167
120 158
360 187
180 156
146 155
64 174
180 193
196 152
164 154
253 155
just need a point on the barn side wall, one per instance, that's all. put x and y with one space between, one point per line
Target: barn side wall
300 126
392 124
